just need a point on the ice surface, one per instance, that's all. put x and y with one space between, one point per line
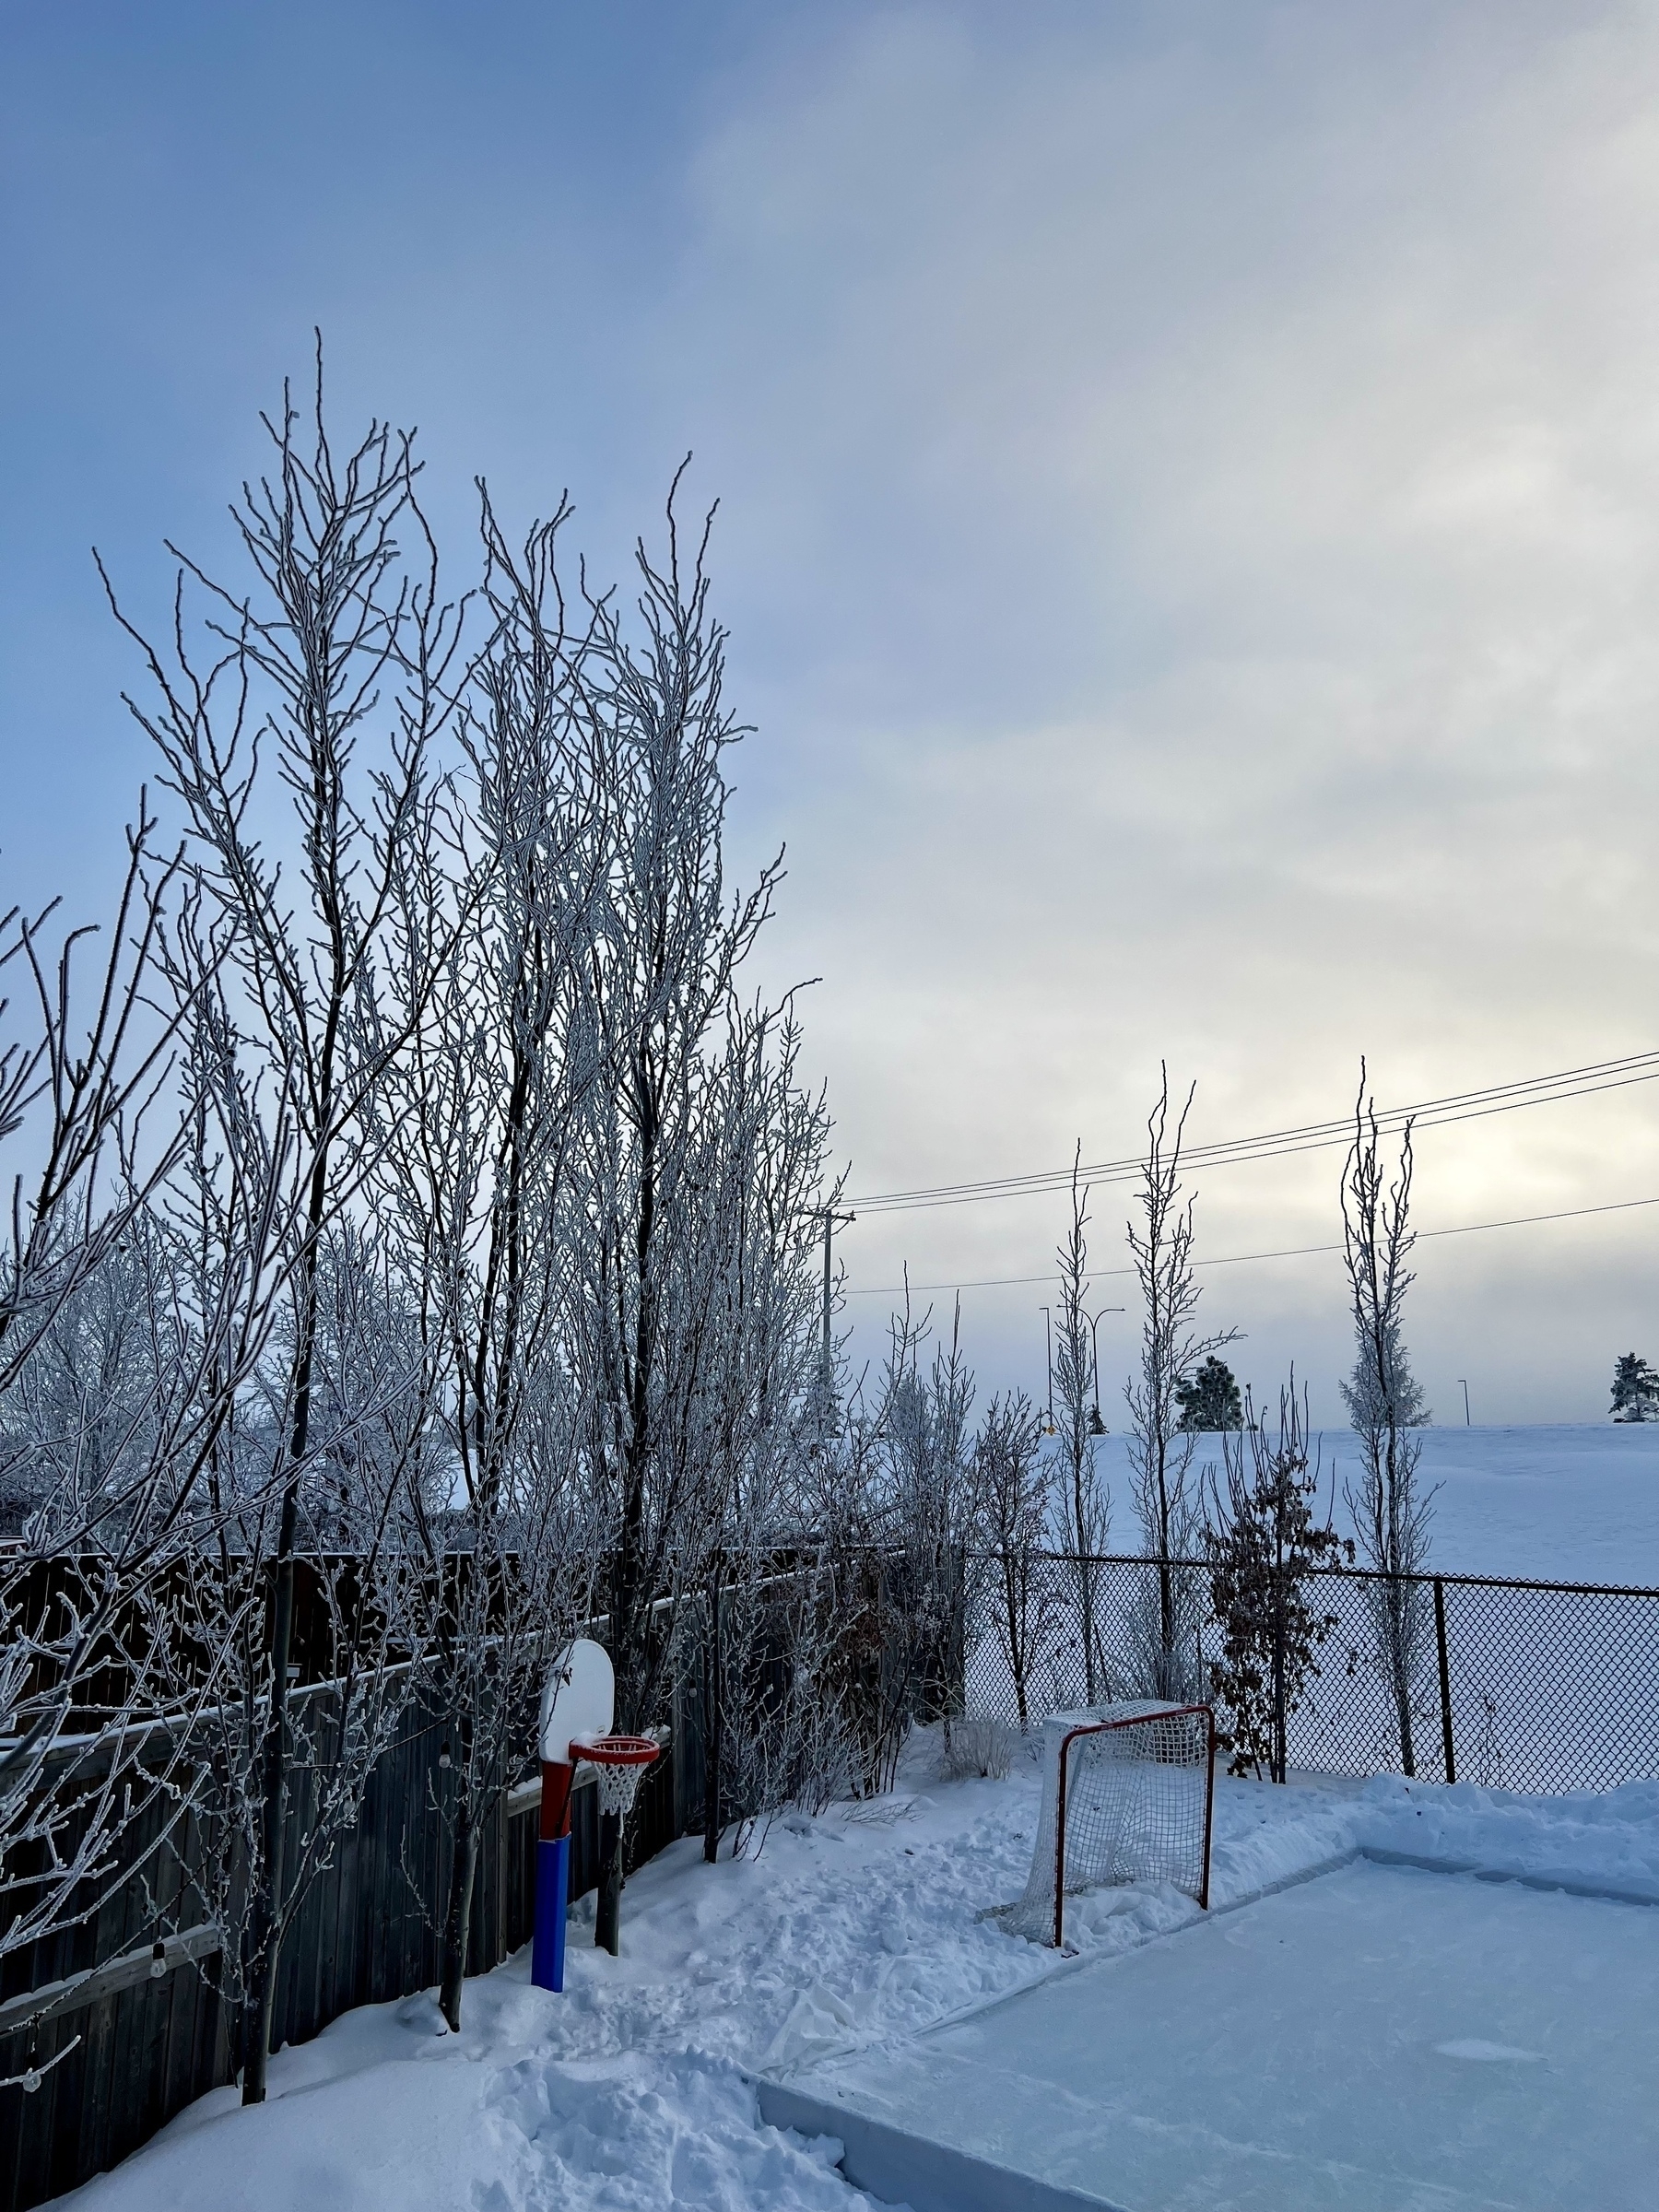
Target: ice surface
1377 2038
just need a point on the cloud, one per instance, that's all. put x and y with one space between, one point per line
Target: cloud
1189 477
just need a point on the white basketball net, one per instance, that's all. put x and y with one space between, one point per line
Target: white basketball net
618 1785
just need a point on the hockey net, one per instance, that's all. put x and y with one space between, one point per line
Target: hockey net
1126 1797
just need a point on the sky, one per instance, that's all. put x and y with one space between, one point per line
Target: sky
1187 529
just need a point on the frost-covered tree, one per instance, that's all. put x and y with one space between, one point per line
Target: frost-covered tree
1392 1512
296 710
82 1067
1014 1496
1084 1498
747 1413
105 1430
896 1504
344 1526
668 946
1161 1445
482 1117
929 1470
121 1364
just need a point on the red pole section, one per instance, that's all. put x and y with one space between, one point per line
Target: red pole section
1066 1743
557 1777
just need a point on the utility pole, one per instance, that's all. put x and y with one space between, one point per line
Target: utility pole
1047 1338
830 1218
1467 1423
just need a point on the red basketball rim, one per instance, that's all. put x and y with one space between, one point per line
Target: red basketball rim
616 1751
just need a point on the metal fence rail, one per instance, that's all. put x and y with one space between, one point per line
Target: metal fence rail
1545 1687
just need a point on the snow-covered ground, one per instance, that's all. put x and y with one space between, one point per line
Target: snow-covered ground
1565 1504
1573 1504
631 2089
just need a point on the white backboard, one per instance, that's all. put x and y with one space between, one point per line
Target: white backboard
580 1698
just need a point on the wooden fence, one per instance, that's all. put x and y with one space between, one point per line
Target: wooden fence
151 2042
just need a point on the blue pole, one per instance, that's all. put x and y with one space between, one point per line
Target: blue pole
552 1902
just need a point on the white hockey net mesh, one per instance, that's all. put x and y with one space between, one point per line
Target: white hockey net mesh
1137 1804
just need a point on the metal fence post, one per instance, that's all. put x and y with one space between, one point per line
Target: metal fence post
1445 1678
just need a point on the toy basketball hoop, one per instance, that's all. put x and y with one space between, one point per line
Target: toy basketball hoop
620 1762
578 1702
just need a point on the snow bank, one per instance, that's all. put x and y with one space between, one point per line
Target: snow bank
849 1932
1602 1845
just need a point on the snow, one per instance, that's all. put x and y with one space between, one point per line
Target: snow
1570 1503
851 1934
1608 1845
1556 1504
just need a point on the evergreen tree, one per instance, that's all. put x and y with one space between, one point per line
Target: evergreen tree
1209 1399
1635 1389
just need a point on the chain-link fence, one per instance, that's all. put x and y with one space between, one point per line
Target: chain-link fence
1525 1685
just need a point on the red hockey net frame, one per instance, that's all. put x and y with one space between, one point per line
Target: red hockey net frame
1162 1717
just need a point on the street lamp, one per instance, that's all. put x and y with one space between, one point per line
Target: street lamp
1097 1427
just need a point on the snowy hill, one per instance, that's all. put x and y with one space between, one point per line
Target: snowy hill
1577 1503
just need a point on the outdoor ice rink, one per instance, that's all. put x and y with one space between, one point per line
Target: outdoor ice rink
1378 2039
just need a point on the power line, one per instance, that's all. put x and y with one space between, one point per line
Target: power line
1430 1113
1244 1259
